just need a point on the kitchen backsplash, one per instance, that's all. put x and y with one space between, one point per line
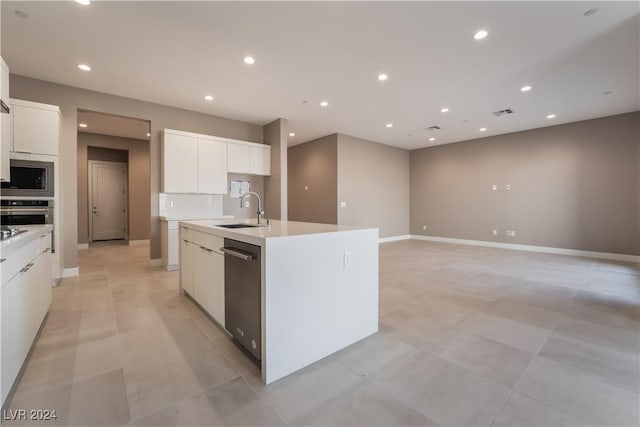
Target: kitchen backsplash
172 204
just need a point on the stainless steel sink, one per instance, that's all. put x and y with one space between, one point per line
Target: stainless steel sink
237 225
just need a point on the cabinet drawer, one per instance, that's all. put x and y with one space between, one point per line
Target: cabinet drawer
17 260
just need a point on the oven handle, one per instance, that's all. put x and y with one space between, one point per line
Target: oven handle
19 210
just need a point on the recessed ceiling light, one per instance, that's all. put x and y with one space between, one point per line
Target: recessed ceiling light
444 110
324 104
480 34
21 14
208 98
292 134
483 129
148 134
249 60
590 12
84 67
82 125
525 88
551 116
607 92
84 2
389 125
432 139
382 77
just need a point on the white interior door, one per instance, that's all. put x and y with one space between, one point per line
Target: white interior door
108 200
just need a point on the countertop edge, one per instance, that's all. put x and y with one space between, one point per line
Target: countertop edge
20 240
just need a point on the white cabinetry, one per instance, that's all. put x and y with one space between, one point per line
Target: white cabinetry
180 163
260 160
187 250
249 158
212 166
36 127
239 159
26 297
202 271
5 124
193 164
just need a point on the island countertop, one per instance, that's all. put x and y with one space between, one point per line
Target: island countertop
12 243
263 232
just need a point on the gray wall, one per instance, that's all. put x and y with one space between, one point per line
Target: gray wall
133 151
373 179
70 99
231 205
574 186
314 164
275 135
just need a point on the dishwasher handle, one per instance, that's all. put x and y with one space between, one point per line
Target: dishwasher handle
238 254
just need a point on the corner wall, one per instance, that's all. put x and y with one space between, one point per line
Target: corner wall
275 185
373 180
573 186
314 166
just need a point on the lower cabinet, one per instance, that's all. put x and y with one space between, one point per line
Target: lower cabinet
187 252
202 272
26 298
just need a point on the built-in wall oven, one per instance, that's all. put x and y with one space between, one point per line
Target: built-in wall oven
29 178
26 212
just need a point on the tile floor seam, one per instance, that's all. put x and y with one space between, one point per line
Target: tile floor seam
515 386
264 401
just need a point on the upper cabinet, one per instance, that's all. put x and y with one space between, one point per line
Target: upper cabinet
250 158
5 124
194 163
36 127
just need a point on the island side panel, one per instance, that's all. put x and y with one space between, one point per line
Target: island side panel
313 304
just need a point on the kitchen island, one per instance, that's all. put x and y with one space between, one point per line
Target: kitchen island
318 286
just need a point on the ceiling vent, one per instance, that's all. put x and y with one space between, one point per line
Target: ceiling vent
433 128
503 112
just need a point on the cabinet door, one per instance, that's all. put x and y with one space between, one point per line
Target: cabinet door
200 270
179 164
239 158
172 248
212 166
215 296
5 124
187 266
260 160
35 130
10 347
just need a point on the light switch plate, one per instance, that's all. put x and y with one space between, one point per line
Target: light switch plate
343 204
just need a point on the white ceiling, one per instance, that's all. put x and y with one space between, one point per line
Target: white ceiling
109 124
174 53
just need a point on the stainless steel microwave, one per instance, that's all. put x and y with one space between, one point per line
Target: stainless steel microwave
29 178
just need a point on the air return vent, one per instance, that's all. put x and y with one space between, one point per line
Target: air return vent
503 112
433 128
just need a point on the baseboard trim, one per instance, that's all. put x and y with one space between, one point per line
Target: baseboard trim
532 248
394 238
70 272
145 242
83 246
155 262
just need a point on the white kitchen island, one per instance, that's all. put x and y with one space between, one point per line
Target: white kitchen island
318 288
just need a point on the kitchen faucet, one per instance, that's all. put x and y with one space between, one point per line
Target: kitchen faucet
260 211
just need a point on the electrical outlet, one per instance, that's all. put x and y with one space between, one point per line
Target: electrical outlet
343 204
495 232
424 227
347 259
507 187
494 187
247 203
511 233
306 188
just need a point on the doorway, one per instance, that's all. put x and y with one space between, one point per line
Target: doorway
108 183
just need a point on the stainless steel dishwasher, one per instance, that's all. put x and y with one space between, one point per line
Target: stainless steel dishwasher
242 292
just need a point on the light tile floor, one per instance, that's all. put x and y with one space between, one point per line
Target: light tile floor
469 336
